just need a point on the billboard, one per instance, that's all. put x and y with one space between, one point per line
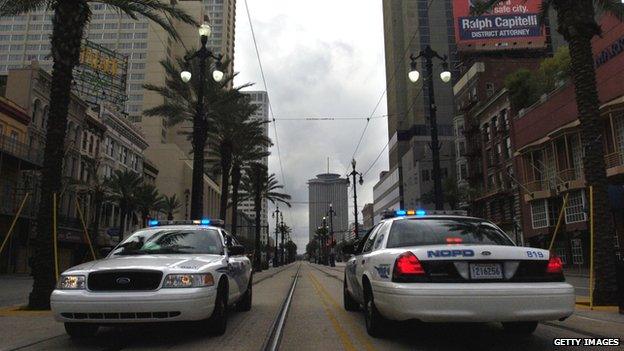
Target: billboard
101 75
511 24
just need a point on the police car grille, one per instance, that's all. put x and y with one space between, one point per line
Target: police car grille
124 280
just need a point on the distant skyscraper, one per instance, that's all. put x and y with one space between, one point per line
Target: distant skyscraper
326 189
261 99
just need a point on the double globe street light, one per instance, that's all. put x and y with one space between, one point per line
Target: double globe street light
428 54
199 120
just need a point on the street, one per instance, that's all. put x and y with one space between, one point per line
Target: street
315 320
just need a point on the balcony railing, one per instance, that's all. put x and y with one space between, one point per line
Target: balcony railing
615 159
568 175
20 150
537 185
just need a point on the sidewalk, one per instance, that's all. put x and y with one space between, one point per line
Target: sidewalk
600 322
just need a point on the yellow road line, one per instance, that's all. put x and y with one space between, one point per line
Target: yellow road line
344 337
362 338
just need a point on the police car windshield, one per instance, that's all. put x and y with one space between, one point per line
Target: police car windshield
437 231
171 241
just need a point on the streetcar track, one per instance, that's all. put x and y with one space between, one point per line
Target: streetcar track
273 339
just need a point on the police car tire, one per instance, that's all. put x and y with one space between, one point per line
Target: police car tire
218 320
520 328
81 330
349 303
375 322
244 304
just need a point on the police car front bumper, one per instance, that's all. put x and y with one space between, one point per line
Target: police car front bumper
163 305
474 302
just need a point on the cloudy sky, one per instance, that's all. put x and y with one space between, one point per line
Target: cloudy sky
321 58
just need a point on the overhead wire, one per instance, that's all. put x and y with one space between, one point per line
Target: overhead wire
279 153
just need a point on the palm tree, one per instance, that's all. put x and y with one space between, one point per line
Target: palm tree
228 130
170 205
257 184
147 199
577 24
251 145
123 186
180 106
68 25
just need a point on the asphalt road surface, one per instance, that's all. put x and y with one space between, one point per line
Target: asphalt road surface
311 319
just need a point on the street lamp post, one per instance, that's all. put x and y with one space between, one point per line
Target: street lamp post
355 173
331 213
200 124
428 54
325 237
276 214
282 230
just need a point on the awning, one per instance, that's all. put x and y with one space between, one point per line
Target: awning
564 128
536 143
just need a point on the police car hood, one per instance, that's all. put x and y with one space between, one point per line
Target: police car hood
474 252
158 262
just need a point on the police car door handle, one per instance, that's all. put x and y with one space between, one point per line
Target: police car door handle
363 261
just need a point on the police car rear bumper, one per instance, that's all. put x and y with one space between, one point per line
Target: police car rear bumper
474 302
163 305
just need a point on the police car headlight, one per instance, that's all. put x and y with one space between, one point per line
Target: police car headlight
188 280
71 282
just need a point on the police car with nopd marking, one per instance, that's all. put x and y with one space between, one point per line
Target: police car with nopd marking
170 271
444 266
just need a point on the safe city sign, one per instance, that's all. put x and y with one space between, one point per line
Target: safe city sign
511 24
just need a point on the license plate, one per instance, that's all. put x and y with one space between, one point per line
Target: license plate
486 271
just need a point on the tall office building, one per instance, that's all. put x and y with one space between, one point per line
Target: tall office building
326 189
409 26
221 14
25 38
261 99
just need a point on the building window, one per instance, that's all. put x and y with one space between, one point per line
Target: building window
539 214
575 208
486 132
463 172
577 251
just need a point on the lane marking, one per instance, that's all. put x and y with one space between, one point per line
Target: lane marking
357 329
344 336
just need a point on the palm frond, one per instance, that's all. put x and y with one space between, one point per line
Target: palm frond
613 7
17 7
161 12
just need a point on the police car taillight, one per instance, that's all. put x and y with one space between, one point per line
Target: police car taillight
555 265
407 265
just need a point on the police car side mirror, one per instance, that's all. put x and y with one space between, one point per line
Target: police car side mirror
236 250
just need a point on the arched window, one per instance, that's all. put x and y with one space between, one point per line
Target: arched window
44 119
84 140
91 144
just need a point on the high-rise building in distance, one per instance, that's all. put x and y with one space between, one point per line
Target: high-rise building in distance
326 189
260 99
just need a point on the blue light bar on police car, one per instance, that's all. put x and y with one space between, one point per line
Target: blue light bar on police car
204 221
400 213
421 212
153 223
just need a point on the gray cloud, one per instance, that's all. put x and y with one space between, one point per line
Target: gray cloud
321 58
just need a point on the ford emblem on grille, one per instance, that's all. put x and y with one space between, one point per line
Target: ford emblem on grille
486 253
123 280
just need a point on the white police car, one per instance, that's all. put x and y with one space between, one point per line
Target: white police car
170 271
452 268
